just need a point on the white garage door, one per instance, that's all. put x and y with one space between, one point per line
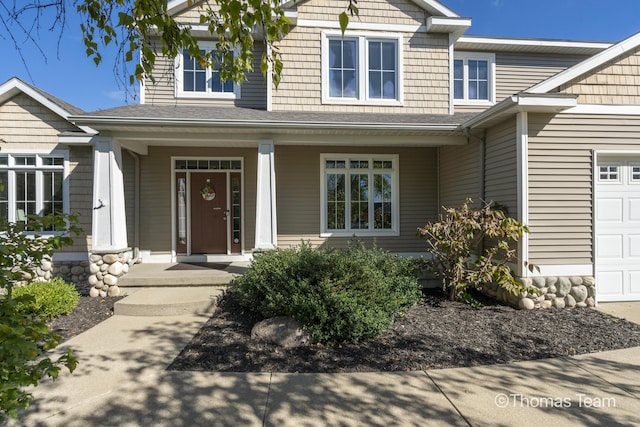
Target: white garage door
618 229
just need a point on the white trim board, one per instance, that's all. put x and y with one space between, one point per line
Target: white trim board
629 110
563 270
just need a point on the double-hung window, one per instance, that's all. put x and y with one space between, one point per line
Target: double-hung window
193 80
32 184
358 69
473 78
359 195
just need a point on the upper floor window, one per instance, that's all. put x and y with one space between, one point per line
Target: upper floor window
195 81
32 184
473 78
361 69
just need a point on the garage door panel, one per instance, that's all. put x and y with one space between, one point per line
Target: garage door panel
609 283
634 246
634 282
610 246
610 209
634 209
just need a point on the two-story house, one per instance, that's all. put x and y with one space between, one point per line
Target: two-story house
369 135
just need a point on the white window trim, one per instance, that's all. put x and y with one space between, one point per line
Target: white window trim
363 75
395 202
465 56
12 168
179 88
608 181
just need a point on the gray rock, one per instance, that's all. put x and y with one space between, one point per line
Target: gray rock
551 296
588 281
591 290
95 258
283 331
552 289
104 268
580 293
581 304
93 292
570 301
110 258
559 303
551 281
539 282
590 302
45 265
110 280
103 294
94 268
116 269
526 304
113 291
77 270
93 280
575 280
563 286
526 281
546 304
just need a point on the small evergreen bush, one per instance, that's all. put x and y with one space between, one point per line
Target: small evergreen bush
47 299
338 295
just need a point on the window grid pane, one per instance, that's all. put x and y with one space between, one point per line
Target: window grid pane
25 195
382 70
609 173
382 201
343 59
217 85
359 202
478 80
336 203
635 173
4 195
194 75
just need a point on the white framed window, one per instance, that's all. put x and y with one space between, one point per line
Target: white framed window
359 195
33 184
195 81
609 173
635 173
473 78
361 69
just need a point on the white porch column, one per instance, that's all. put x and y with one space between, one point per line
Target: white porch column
266 232
109 225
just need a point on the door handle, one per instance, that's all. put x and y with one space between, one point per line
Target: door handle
226 214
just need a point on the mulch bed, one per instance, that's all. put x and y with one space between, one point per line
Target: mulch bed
437 333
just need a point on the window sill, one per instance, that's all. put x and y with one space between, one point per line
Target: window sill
381 233
363 102
187 95
473 103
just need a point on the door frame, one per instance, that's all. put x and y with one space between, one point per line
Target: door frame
189 257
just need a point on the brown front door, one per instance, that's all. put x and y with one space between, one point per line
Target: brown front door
209 213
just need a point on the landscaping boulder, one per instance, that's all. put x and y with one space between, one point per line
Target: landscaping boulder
283 331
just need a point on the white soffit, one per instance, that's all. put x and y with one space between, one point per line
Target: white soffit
503 44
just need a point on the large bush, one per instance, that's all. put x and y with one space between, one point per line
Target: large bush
49 299
338 295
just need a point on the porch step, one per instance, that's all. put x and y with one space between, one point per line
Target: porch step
169 301
181 275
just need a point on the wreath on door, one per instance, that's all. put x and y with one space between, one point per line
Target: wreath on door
207 192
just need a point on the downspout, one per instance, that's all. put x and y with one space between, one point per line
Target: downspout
136 210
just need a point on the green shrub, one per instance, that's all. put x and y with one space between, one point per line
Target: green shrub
338 295
48 299
471 248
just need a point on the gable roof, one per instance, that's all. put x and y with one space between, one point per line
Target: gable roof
434 7
14 86
587 65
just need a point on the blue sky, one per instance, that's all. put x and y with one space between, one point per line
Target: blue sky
68 74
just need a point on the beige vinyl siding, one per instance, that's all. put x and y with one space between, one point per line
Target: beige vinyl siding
615 83
253 92
26 122
460 173
516 72
81 194
501 166
156 183
397 12
425 86
561 180
298 178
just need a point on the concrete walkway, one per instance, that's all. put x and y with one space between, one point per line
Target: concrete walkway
122 381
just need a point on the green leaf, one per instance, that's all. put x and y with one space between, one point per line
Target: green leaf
344 22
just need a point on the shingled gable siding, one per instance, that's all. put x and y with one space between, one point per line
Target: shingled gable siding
298 195
425 62
516 72
560 180
26 125
162 91
459 171
615 83
501 166
156 182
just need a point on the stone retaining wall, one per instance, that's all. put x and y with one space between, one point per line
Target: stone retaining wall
559 292
105 271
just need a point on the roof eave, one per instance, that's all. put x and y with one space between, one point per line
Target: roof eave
522 102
